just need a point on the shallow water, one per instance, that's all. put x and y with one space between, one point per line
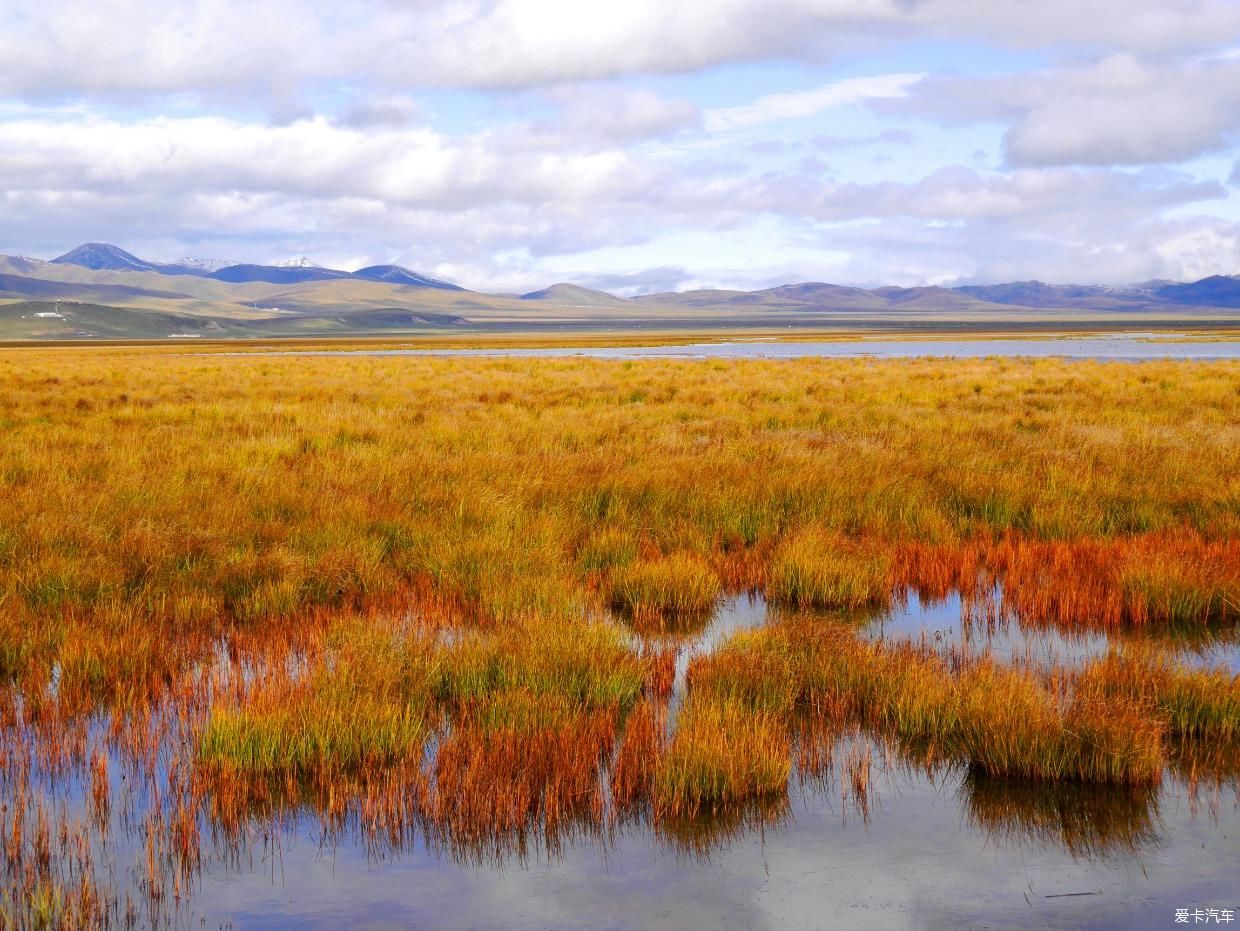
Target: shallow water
947 626
933 853
1119 347
928 849
921 861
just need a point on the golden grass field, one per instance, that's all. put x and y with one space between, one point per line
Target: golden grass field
438 594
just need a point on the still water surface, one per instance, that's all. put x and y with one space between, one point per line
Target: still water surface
936 851
1132 347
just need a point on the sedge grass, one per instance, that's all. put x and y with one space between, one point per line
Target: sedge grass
723 753
1196 703
483 519
679 584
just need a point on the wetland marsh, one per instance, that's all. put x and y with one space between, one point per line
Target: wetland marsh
373 640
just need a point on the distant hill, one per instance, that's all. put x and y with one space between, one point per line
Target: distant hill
1040 294
275 274
818 292
396 274
820 297
46 320
20 265
1215 291
108 292
574 295
700 297
24 286
100 256
928 297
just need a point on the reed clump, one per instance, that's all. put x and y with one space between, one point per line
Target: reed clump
310 732
1197 703
824 570
677 584
1004 721
723 752
1008 724
1157 578
753 669
363 703
590 663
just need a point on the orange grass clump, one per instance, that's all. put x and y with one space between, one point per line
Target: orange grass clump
1003 721
722 753
1196 703
817 570
1156 578
518 761
677 584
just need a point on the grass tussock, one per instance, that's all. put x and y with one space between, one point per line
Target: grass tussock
821 570
1137 580
1003 721
308 733
1008 724
723 753
1195 703
679 584
589 663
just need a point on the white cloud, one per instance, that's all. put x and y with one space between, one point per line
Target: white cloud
806 103
1191 251
78 47
581 157
455 205
1055 200
311 158
608 114
1126 111
1121 110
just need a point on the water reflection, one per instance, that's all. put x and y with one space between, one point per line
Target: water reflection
382 850
707 834
1082 819
951 626
696 634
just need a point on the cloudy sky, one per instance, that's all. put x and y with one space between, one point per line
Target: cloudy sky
637 146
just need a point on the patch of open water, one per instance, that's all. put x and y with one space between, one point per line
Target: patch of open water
936 850
1130 347
948 626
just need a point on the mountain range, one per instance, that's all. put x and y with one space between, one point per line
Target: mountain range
100 290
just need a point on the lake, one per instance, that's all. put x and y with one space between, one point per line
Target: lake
1119 347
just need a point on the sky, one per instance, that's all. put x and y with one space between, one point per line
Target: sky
641 146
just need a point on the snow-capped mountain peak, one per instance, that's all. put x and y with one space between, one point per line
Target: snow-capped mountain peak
204 265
